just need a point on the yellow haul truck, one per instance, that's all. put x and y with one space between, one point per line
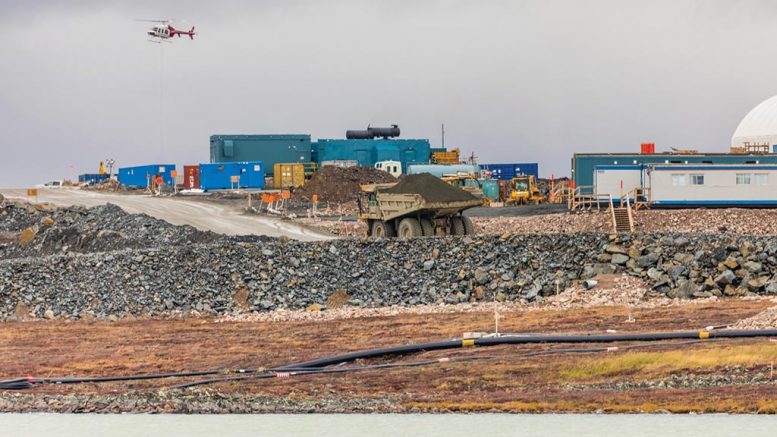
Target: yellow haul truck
418 205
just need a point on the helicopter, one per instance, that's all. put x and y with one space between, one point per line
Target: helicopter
164 30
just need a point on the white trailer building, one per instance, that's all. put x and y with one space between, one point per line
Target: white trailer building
617 180
712 185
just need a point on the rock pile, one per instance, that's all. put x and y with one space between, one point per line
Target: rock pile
106 263
431 188
46 231
766 319
612 290
340 185
106 185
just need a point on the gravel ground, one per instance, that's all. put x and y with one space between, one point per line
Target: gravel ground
517 211
733 221
193 402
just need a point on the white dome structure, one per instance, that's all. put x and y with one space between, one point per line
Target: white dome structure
759 125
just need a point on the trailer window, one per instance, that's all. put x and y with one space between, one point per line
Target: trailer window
697 179
762 179
743 178
678 179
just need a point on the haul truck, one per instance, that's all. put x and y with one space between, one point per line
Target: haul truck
415 214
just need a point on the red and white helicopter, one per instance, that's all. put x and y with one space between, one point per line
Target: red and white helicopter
165 30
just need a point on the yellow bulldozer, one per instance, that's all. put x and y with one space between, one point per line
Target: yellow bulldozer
524 190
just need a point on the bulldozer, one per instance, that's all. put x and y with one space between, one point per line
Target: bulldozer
523 191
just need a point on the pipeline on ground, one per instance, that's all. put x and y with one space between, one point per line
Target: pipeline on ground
323 365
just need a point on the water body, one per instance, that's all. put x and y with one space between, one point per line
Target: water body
343 425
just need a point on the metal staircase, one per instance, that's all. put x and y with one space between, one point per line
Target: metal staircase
622 220
622 217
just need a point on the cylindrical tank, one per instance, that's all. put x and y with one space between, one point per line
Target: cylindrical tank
440 170
373 132
384 132
358 135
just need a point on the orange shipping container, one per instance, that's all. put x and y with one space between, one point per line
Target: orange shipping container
451 157
191 177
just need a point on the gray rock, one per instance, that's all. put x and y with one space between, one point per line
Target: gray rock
619 258
681 241
481 276
653 273
614 248
725 278
648 260
685 289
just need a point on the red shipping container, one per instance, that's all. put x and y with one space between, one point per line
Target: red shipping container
648 148
191 177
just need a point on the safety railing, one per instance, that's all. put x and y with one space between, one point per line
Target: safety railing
559 193
580 199
641 198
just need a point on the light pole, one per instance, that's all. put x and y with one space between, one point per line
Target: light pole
110 162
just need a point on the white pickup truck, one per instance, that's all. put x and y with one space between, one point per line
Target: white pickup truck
50 184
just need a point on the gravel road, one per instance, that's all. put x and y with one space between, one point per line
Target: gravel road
205 216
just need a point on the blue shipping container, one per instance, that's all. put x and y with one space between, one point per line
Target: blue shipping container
92 179
218 176
139 177
505 172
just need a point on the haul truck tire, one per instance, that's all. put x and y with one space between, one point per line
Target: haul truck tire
409 228
457 226
427 229
469 227
381 229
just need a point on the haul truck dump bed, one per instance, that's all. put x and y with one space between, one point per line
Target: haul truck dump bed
418 205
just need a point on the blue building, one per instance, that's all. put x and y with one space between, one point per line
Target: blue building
270 149
140 176
505 172
92 178
583 164
368 152
218 176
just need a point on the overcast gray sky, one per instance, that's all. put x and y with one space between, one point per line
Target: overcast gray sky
513 81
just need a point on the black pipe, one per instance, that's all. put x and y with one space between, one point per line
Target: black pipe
529 339
274 373
317 364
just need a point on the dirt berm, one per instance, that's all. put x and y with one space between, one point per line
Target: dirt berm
432 189
340 185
